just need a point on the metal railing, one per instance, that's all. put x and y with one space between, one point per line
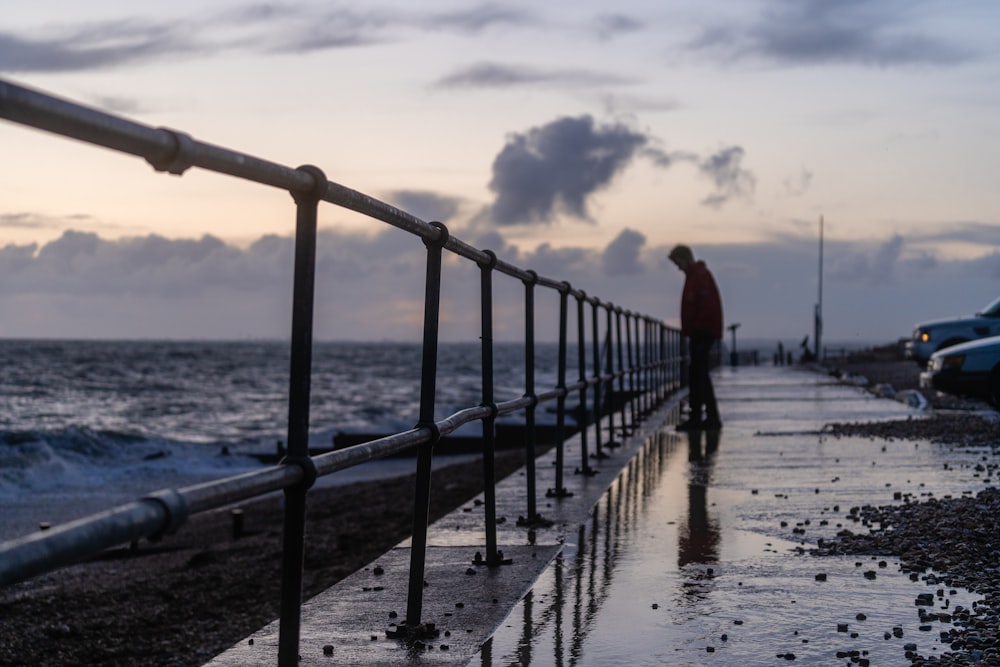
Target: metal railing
645 362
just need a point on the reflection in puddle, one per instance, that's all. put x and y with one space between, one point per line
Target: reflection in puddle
694 557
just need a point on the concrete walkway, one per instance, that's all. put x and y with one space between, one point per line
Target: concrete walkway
664 514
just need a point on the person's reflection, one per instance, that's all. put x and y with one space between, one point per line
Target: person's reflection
699 540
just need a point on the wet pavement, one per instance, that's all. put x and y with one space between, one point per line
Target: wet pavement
683 549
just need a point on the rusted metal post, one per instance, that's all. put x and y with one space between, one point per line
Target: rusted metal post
581 349
633 385
293 535
654 329
610 368
560 491
677 350
664 390
651 363
425 453
493 556
644 356
622 372
531 517
595 345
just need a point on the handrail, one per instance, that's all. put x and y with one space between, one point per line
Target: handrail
176 152
655 358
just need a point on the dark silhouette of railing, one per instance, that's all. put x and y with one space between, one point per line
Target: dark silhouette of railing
646 363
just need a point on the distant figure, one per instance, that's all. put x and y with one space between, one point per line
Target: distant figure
781 354
701 323
807 356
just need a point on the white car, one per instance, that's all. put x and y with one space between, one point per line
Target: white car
968 369
929 337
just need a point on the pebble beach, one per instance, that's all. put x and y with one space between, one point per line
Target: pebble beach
946 542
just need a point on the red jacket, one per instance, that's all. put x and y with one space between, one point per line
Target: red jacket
701 305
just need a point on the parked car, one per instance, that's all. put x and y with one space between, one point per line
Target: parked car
929 337
968 369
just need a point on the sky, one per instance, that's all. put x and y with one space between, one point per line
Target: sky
581 140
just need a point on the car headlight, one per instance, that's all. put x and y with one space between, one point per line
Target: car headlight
923 336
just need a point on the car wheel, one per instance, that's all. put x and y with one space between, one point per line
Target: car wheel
994 388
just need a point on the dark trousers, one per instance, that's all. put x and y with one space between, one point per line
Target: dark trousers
702 394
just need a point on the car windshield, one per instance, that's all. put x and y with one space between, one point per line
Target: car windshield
992 310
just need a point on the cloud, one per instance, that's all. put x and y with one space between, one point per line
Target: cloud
666 159
555 168
258 28
15 258
798 185
24 221
262 28
496 75
866 265
95 46
617 104
820 32
480 18
731 180
370 287
425 205
609 26
334 29
621 256
978 233
988 266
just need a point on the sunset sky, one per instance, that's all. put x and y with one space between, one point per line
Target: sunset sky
581 140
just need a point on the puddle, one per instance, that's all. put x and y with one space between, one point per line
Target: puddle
694 555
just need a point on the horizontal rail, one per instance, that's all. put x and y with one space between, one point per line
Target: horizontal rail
175 152
34 554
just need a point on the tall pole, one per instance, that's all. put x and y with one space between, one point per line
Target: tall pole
818 323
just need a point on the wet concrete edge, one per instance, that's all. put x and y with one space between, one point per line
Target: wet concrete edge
347 623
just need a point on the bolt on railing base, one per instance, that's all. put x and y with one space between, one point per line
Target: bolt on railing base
491 561
413 632
558 493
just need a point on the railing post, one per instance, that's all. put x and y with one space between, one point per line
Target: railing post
685 361
581 349
664 391
422 498
610 368
599 452
678 347
658 360
560 491
293 531
633 397
532 517
648 322
639 377
493 555
622 372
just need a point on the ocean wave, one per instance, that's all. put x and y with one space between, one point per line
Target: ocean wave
78 458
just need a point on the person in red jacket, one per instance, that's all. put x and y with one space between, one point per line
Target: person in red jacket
701 323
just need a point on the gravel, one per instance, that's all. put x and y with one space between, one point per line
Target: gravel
949 542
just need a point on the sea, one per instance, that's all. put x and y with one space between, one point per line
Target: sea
86 425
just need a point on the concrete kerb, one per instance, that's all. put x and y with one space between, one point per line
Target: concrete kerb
347 623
